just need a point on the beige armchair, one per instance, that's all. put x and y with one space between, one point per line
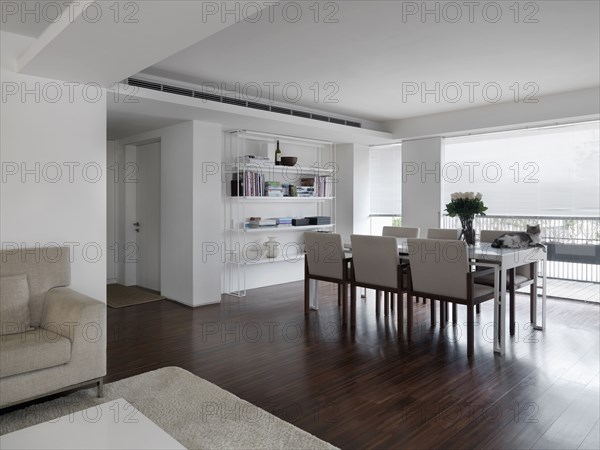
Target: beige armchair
439 270
325 260
52 338
376 265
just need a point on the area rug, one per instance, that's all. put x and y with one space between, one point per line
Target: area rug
119 296
194 411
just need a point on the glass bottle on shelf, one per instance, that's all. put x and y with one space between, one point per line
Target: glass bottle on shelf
277 155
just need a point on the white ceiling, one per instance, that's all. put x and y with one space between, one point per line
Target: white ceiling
371 51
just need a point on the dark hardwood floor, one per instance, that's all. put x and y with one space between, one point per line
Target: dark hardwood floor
368 389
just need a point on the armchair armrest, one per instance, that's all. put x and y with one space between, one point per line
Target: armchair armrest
82 320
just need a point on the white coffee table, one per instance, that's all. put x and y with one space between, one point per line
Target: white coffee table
116 424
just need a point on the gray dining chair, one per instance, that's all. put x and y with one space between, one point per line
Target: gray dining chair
517 278
376 265
325 260
398 232
443 233
440 270
401 232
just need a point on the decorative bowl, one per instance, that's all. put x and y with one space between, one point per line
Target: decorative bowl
289 160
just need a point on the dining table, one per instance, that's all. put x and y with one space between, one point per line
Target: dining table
506 259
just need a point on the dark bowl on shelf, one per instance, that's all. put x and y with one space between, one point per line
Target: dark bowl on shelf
289 160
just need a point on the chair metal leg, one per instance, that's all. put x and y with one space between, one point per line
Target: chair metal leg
454 315
392 298
432 306
424 300
339 292
378 303
101 389
478 308
400 316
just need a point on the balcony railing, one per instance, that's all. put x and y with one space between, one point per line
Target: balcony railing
573 242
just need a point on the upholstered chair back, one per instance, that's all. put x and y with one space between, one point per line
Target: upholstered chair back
375 260
439 266
401 232
324 254
443 233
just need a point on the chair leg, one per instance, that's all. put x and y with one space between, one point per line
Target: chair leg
352 306
511 304
442 314
409 313
446 312
470 330
392 298
386 304
344 288
424 300
454 316
377 303
400 315
432 306
101 388
306 292
478 308
339 292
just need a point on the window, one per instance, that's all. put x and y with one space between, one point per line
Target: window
385 166
551 171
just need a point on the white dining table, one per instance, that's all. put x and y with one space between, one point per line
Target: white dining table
507 259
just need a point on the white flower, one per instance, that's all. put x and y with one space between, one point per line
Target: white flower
470 195
454 196
478 196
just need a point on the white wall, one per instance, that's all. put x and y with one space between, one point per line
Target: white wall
421 188
46 136
191 211
111 215
352 190
207 217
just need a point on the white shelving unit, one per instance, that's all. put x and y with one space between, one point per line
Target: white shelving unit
246 264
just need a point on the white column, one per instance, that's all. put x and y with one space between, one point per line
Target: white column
421 187
352 190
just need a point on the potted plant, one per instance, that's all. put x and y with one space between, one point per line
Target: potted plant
466 205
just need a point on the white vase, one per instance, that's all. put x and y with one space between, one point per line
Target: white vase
271 247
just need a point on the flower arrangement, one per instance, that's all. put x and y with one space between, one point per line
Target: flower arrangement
466 205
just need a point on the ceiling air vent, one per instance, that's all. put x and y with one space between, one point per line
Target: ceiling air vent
234 101
301 114
279 110
145 84
178 91
207 96
237 102
260 106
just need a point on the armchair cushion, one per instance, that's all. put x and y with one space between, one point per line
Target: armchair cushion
14 304
32 350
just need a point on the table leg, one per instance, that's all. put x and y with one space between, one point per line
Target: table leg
314 294
535 325
499 312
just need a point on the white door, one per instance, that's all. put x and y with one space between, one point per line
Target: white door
148 216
